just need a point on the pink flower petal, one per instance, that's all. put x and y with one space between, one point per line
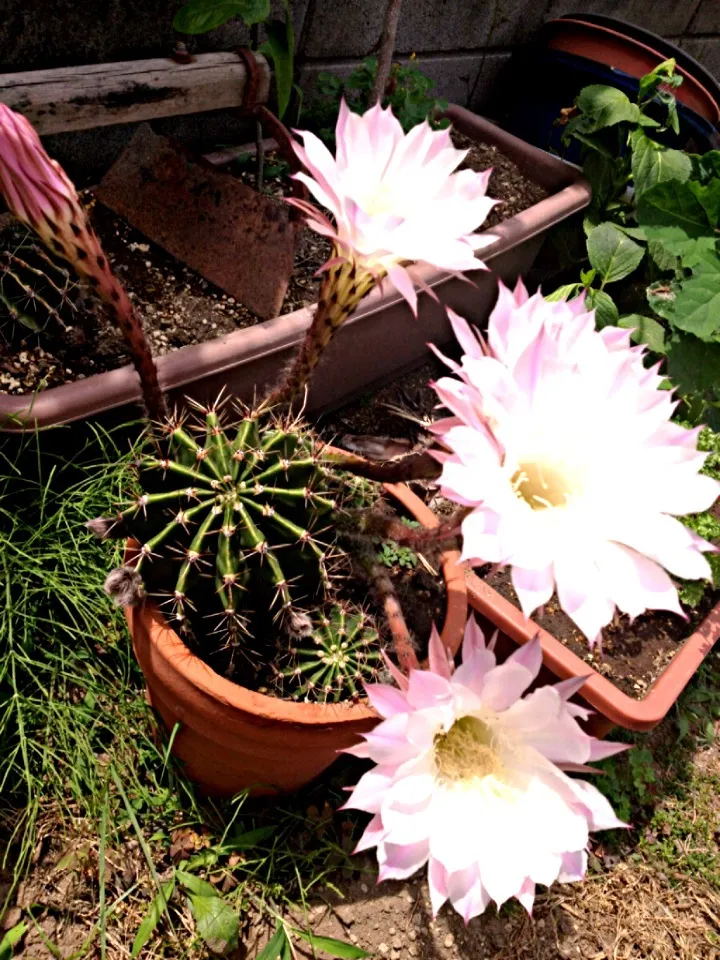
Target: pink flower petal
439 660
372 836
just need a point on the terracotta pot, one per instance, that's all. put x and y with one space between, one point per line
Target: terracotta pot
628 54
231 738
614 708
248 360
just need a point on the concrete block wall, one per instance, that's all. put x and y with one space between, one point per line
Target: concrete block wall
463 45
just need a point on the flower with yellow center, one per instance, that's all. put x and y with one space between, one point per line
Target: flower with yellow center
470 778
561 443
394 200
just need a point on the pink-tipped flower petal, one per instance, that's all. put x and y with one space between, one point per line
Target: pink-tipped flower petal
471 781
561 443
396 199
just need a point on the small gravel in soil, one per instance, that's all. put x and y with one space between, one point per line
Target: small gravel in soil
178 307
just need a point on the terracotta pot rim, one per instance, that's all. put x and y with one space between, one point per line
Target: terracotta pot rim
695 94
197 673
599 691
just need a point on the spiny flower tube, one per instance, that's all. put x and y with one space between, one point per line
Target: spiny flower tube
561 443
395 200
39 193
470 778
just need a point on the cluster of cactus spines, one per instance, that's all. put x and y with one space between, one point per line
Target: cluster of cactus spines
32 288
247 504
345 284
339 655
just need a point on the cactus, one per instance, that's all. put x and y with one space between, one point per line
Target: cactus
245 510
39 194
340 654
36 290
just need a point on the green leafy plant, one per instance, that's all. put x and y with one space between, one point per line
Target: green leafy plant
201 16
409 93
392 554
653 223
705 524
628 781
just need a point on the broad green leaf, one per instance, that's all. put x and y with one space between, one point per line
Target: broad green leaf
336 948
200 888
604 106
692 365
574 130
276 947
661 256
216 923
637 233
606 313
602 172
672 214
663 73
706 166
565 292
243 841
661 296
280 46
652 163
697 306
200 16
709 197
152 917
645 330
709 262
612 253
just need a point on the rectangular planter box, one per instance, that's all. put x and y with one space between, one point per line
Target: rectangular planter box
381 340
613 706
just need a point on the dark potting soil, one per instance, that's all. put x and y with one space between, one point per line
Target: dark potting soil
390 422
633 655
177 306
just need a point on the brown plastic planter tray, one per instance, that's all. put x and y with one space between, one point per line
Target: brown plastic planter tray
614 708
380 341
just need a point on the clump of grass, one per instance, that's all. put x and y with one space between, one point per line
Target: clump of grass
80 758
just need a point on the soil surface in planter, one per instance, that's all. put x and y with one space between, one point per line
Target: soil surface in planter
178 307
633 654
389 423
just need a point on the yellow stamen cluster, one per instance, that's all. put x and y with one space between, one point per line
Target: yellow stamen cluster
466 753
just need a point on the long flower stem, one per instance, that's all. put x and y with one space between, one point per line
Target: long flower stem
402 641
77 242
344 287
131 327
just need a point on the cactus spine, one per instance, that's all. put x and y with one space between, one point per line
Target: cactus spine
341 654
243 506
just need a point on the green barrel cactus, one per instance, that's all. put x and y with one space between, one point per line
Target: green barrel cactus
238 518
335 659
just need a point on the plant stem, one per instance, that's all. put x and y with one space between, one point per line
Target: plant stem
387 48
344 287
415 466
402 642
131 328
